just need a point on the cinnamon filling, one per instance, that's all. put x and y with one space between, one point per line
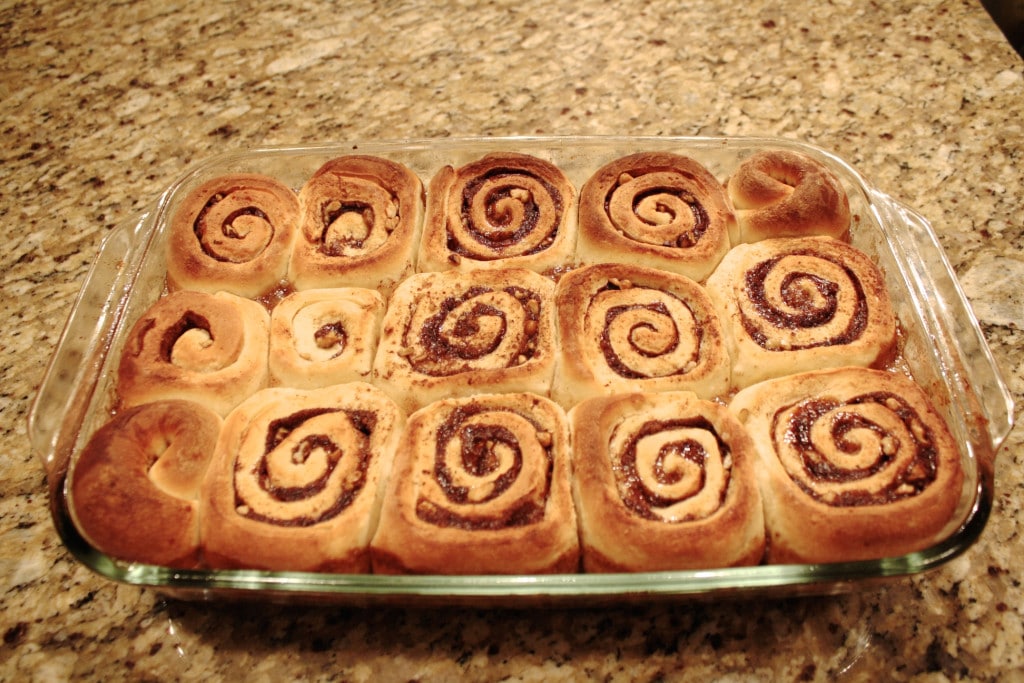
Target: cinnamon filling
908 480
636 494
812 300
501 228
477 444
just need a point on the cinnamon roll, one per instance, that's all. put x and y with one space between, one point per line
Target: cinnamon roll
133 491
664 481
208 348
790 305
455 334
630 328
296 479
480 486
854 464
778 193
505 210
232 233
320 337
361 218
657 209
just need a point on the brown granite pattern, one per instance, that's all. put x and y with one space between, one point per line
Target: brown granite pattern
103 104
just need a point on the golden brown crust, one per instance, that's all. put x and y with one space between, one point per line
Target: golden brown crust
320 337
778 193
480 486
629 328
795 304
208 348
664 481
232 233
296 479
655 209
133 491
854 464
457 334
361 218
504 210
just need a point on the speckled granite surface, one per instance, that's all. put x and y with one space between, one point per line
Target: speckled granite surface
103 104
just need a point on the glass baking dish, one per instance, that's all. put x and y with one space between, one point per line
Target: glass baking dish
943 349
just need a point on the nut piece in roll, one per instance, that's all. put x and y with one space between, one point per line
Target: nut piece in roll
655 209
360 223
480 486
505 210
792 305
133 491
664 481
207 348
629 328
778 193
460 333
855 464
320 337
232 233
296 479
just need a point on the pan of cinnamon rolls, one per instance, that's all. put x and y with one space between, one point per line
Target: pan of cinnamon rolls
584 358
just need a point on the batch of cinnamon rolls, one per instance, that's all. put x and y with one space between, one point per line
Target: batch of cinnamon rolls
500 373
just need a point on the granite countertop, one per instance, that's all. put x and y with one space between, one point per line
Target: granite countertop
104 104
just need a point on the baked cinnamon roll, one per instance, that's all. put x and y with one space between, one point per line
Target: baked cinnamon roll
207 348
664 481
790 305
656 209
133 491
629 328
455 334
232 233
480 486
778 193
361 218
320 337
854 464
505 210
296 479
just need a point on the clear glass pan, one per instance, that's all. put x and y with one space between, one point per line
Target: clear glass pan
944 350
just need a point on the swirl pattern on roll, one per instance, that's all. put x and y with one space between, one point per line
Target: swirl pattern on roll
623 327
233 233
673 470
663 208
361 218
481 485
305 467
320 337
664 481
492 469
481 327
446 333
870 448
857 463
503 210
209 348
796 304
801 300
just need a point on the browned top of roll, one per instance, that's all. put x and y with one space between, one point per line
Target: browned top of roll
134 489
360 217
778 193
351 205
504 209
658 209
233 232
